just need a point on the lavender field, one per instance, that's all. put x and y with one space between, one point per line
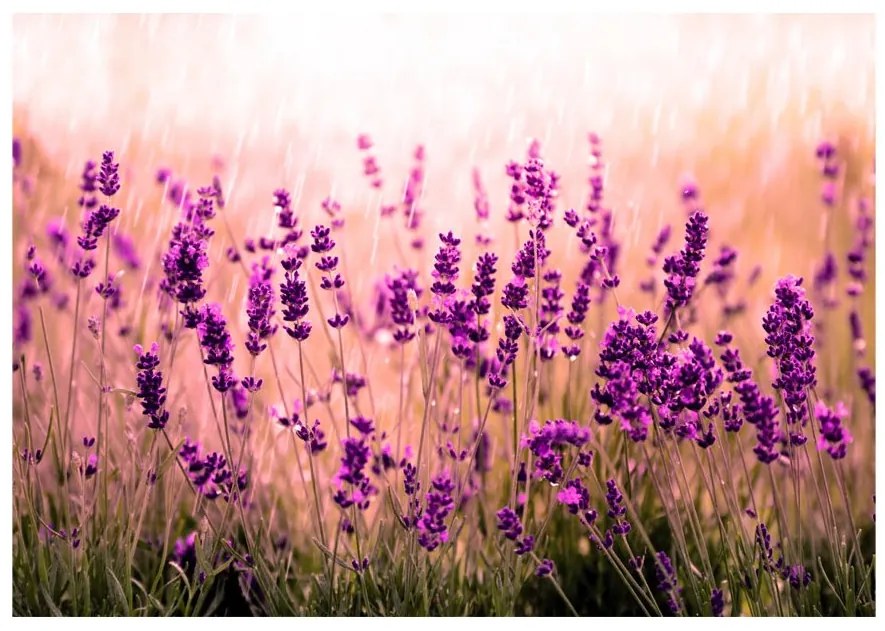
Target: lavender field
542 324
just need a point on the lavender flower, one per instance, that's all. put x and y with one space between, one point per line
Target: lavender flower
574 329
545 568
540 191
632 364
551 312
666 577
293 295
211 474
332 281
402 312
483 283
313 436
108 177
574 496
864 232
717 602
533 253
683 268
94 225
445 273
431 524
260 308
150 387
759 410
546 443
834 436
481 207
186 258
789 340
216 342
354 486
763 543
508 346
508 523
88 199
826 153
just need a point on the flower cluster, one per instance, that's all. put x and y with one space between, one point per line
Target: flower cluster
667 585
689 383
150 387
511 527
684 267
211 475
312 435
332 280
527 261
431 526
574 330
546 443
790 344
834 436
508 346
96 220
260 308
445 273
108 176
217 345
402 310
186 258
293 296
759 410
353 484
551 312
633 365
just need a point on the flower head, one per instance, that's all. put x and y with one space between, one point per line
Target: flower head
684 267
834 436
150 387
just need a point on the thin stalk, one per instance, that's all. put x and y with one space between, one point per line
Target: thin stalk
104 467
67 427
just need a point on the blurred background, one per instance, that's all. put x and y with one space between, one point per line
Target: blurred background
737 102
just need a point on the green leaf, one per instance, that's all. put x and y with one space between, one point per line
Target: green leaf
117 590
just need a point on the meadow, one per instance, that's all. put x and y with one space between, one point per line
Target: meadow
347 397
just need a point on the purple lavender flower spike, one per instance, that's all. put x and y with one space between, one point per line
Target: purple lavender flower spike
684 267
402 313
431 526
108 176
293 296
260 308
790 343
834 436
445 273
354 486
217 344
150 387
666 577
